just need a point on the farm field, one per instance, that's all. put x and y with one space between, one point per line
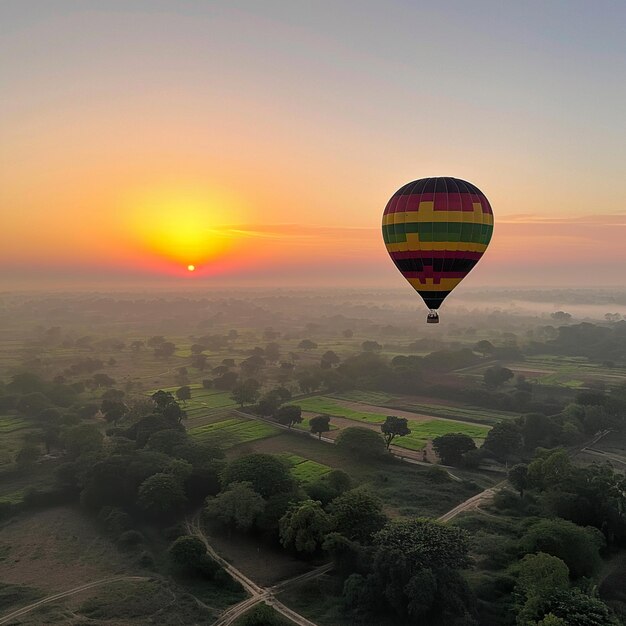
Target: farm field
405 489
233 431
423 432
12 430
304 469
559 371
203 399
463 413
423 427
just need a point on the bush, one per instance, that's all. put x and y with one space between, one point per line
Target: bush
130 539
361 442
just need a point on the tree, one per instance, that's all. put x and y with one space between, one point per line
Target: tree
28 455
319 424
161 494
551 620
226 381
504 440
497 375
484 347
540 575
329 358
238 506
187 552
423 540
166 440
413 573
307 344
272 352
561 316
304 527
357 515
578 547
451 447
371 346
518 477
113 410
183 393
289 415
32 404
156 341
549 468
267 474
199 361
576 608
348 334
361 442
268 404
394 427
82 438
252 365
246 392
166 349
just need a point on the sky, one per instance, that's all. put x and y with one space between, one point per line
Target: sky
260 141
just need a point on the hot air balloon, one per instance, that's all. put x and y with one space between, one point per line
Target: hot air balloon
436 230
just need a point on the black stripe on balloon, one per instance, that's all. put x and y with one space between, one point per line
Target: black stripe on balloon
429 185
433 299
438 265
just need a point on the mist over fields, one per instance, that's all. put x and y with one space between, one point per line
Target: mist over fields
268 456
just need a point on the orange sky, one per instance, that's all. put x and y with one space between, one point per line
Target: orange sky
262 145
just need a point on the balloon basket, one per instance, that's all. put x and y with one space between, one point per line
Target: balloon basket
432 318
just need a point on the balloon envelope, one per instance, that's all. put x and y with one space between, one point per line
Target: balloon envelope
436 230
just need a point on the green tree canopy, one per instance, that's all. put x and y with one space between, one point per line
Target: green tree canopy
161 494
451 447
289 414
238 506
357 515
578 547
361 442
267 474
304 527
319 424
393 427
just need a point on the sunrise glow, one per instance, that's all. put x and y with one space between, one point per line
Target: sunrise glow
229 161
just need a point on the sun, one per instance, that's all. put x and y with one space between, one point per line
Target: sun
191 268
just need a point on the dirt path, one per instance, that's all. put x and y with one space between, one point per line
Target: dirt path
257 593
64 594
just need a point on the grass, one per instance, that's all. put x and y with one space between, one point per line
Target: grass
367 397
463 413
303 469
422 432
202 399
405 489
320 404
11 423
12 498
233 431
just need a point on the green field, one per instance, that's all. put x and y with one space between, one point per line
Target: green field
233 431
320 404
203 399
464 413
422 432
11 423
303 469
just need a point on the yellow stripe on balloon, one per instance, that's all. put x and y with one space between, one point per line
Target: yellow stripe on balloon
438 216
413 244
428 284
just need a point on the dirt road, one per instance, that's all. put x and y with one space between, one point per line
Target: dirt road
64 594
